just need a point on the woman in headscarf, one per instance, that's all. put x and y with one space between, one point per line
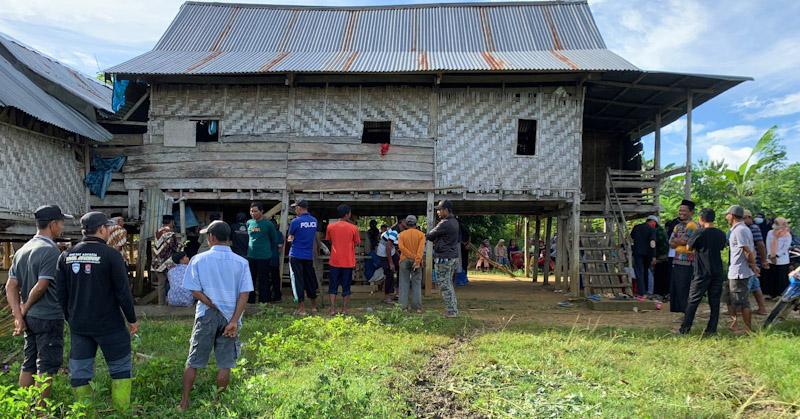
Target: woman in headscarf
779 240
501 253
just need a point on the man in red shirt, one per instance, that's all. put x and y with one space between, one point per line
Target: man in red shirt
344 237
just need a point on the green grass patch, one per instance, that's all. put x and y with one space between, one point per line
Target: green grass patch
291 368
536 372
366 366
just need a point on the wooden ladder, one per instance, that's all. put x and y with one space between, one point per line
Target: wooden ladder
603 262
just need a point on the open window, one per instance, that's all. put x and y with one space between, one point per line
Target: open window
377 132
526 137
207 131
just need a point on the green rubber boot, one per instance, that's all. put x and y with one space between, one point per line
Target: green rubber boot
83 394
121 394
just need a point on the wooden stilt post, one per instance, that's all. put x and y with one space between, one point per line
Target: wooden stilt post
537 250
687 186
547 237
6 255
657 160
182 211
141 259
525 247
560 257
431 218
87 167
575 251
284 226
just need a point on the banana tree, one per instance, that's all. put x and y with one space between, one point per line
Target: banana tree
766 153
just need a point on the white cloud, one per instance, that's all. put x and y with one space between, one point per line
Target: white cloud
780 106
734 157
732 135
679 127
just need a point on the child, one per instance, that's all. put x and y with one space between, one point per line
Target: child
483 257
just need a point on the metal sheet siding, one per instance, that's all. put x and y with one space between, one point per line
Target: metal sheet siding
17 91
240 38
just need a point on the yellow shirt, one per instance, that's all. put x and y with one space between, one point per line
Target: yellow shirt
411 243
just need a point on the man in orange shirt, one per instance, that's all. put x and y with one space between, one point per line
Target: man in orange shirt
344 237
411 242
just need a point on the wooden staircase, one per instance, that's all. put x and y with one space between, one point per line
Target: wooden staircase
606 250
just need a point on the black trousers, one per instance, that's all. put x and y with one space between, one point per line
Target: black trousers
700 286
260 271
275 283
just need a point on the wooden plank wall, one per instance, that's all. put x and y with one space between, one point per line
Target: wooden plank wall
275 138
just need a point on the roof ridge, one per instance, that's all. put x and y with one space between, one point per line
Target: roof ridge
389 6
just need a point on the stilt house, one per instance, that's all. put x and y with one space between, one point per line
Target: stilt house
503 108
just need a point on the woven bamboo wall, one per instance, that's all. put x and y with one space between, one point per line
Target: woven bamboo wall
38 170
474 131
477 138
259 110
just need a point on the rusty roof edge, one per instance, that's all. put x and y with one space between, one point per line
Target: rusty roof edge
390 6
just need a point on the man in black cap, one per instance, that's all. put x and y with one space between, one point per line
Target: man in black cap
682 271
92 285
445 238
31 295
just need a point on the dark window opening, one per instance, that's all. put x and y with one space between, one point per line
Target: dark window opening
377 132
207 131
526 137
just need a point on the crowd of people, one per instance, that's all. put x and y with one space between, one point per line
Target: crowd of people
87 286
682 261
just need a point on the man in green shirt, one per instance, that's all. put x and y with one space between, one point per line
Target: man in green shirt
263 236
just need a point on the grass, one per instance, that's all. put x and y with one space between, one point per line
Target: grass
538 372
367 367
310 367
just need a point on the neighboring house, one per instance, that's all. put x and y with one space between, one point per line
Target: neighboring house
48 120
501 107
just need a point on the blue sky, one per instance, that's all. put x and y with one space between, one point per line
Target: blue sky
737 37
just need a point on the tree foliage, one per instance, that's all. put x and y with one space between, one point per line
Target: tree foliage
762 183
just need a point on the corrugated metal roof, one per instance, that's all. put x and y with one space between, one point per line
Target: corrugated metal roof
213 38
18 91
91 91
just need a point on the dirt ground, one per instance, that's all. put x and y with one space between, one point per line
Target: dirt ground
501 300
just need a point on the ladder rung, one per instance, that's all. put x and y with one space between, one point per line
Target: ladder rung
625 285
604 273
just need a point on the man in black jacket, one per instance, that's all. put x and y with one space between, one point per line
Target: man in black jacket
445 253
644 250
92 287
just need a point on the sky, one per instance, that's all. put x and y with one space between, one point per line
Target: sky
735 37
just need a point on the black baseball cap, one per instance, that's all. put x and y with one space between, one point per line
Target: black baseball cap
219 229
302 203
51 213
445 204
95 219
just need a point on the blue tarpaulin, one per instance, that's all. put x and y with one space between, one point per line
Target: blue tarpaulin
118 98
191 219
99 178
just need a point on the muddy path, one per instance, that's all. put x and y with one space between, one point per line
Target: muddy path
433 396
